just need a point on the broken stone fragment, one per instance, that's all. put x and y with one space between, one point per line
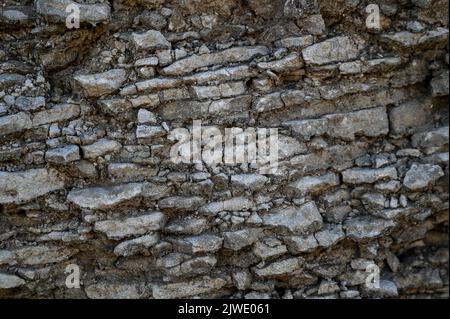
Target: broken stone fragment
440 84
149 132
338 49
241 238
136 246
297 220
104 197
17 15
314 184
420 176
268 102
367 227
101 147
57 113
430 139
187 226
133 226
287 64
25 103
150 40
410 116
116 290
188 289
14 123
63 155
330 235
189 64
36 255
55 11
279 268
368 175
99 84
146 117
301 244
385 289
251 182
198 244
181 204
232 204
10 281
269 248
8 80
23 186
295 42
407 40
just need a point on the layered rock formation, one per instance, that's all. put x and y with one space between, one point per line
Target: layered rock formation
86 179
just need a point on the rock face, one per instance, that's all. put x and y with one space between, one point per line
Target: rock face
104 164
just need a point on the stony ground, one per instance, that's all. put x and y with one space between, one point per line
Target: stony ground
86 177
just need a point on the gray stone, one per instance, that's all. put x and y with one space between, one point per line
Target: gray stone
100 84
268 103
432 138
8 80
410 116
36 255
150 40
58 113
295 42
301 244
199 244
104 197
55 10
297 220
289 63
146 117
338 49
117 229
23 186
10 281
189 64
181 204
330 235
25 103
367 227
149 132
14 123
187 226
239 239
420 176
136 246
386 289
192 288
232 204
368 176
63 155
251 182
279 268
314 184
115 290
101 147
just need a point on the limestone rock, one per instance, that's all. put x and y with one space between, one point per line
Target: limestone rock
14 123
99 84
150 40
19 187
116 229
366 227
63 155
242 238
421 176
297 220
338 49
10 281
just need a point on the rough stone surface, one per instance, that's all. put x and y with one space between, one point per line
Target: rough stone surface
90 174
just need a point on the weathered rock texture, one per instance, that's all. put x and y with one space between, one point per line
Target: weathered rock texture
86 178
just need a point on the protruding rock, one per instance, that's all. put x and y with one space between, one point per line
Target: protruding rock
367 227
279 268
297 220
116 229
100 148
19 187
10 281
421 176
337 49
188 289
63 155
150 40
242 238
99 84
368 176
14 123
199 244
136 246
314 184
